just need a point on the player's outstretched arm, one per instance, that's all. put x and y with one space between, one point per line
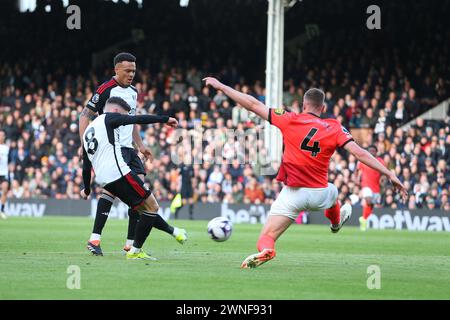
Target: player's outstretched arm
365 157
245 100
115 120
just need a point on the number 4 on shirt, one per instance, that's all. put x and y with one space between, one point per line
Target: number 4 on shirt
314 149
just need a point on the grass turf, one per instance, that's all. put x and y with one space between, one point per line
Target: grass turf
311 263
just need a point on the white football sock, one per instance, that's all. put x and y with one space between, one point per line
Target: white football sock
176 231
135 250
95 236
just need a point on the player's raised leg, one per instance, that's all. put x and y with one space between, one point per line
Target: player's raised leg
180 235
327 199
338 215
159 223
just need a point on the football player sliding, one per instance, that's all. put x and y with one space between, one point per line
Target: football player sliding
309 144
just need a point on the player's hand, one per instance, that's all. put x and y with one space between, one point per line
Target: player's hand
146 152
213 82
399 186
84 194
172 122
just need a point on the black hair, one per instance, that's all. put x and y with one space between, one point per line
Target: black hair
374 147
120 102
124 56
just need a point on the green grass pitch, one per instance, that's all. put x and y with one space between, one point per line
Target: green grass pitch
311 263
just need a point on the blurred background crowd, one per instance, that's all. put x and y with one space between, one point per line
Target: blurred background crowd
380 80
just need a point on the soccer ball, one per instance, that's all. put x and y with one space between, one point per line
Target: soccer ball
220 229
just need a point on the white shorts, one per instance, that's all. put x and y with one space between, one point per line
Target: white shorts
292 201
368 193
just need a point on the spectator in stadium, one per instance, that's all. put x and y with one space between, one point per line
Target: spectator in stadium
431 204
238 193
4 172
446 207
253 192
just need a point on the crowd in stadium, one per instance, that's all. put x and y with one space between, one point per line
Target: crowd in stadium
364 89
41 126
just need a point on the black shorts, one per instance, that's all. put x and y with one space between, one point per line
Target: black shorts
132 159
130 189
186 191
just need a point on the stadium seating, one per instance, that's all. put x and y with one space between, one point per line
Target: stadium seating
367 87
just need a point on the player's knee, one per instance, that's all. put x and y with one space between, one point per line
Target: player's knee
133 214
152 206
108 193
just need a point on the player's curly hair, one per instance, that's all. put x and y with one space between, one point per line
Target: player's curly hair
124 56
